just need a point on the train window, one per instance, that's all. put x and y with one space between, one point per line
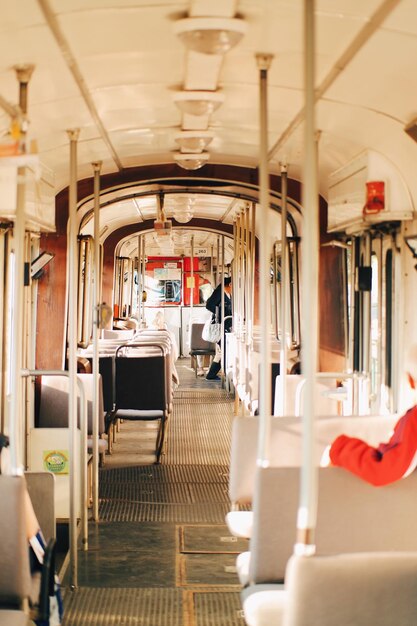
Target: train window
163 282
125 292
85 279
292 290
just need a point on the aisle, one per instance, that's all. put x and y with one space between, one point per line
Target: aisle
135 441
161 554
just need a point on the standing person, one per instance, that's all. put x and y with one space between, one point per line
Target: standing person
213 304
389 461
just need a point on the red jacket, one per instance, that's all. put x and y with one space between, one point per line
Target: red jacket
386 463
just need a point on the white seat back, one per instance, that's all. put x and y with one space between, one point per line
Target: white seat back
352 590
285 444
344 523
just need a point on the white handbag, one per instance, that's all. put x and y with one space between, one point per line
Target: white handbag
211 331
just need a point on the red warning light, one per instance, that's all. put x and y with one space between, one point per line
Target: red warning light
375 197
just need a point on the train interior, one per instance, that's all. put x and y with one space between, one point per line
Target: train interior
151 153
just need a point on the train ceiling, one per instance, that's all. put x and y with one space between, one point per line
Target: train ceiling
120 72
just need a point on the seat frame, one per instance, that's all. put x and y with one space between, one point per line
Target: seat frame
199 346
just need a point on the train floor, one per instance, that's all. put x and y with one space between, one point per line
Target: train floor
161 554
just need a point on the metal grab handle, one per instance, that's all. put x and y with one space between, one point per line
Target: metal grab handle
144 344
354 376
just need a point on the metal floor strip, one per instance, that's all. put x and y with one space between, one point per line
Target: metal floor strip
139 607
166 473
218 608
125 511
169 493
199 433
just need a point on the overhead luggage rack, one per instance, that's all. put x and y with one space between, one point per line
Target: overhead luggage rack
39 191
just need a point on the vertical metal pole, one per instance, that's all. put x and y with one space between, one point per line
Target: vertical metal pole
351 347
131 285
238 276
381 273
307 511
252 253
191 292
96 330
245 268
397 337
28 357
366 335
247 275
264 62
218 261
235 277
277 299
82 255
366 299
241 289
123 288
139 278
284 292
352 327
83 465
4 238
72 352
143 324
16 421
192 278
222 337
116 287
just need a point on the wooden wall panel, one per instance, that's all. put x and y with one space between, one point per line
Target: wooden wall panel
331 302
51 295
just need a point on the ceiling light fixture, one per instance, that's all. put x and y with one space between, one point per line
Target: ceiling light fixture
210 35
198 102
194 141
191 161
183 217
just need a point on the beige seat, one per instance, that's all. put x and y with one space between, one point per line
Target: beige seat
285 451
41 489
343 590
14 618
15 578
144 386
53 405
344 524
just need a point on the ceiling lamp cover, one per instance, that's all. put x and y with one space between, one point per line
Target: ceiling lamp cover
210 35
183 216
191 161
194 141
198 102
